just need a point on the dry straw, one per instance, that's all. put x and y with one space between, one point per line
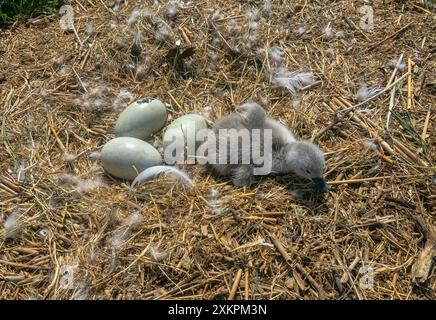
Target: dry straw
275 240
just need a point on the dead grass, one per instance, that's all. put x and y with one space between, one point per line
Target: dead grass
274 240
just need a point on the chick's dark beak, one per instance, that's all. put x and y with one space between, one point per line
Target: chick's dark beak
321 184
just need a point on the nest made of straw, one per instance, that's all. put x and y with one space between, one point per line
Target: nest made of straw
70 231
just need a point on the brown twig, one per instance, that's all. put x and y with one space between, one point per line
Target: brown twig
246 290
339 118
235 285
422 266
287 257
389 37
409 84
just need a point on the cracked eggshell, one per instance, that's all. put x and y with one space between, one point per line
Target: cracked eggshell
141 119
126 157
184 129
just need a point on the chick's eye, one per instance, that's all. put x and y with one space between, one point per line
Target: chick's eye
308 172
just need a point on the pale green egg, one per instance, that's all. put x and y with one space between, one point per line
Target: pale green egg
183 132
141 119
125 157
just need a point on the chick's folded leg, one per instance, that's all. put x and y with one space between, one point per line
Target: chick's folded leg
242 175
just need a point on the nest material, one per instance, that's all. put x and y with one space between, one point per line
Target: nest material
86 235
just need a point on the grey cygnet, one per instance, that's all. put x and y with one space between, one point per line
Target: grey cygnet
288 154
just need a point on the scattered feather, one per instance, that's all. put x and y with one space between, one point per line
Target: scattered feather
128 224
67 276
113 24
81 291
118 239
65 71
121 43
146 14
253 26
375 168
185 3
99 91
293 81
94 99
67 20
95 155
141 72
300 31
172 10
217 207
88 185
81 185
217 15
53 204
21 169
215 204
11 225
152 172
370 144
365 111
233 28
128 67
341 34
90 29
69 157
122 99
331 53
133 220
134 16
417 58
296 101
71 126
328 33
163 31
207 112
156 253
276 55
212 193
364 93
212 61
99 62
114 258
67 179
253 13
117 5
393 63
30 118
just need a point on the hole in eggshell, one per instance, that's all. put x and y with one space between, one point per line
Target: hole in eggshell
145 100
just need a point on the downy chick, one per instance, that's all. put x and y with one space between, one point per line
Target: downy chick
302 158
288 155
249 116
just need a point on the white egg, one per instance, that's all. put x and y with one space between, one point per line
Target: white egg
125 157
141 119
184 131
